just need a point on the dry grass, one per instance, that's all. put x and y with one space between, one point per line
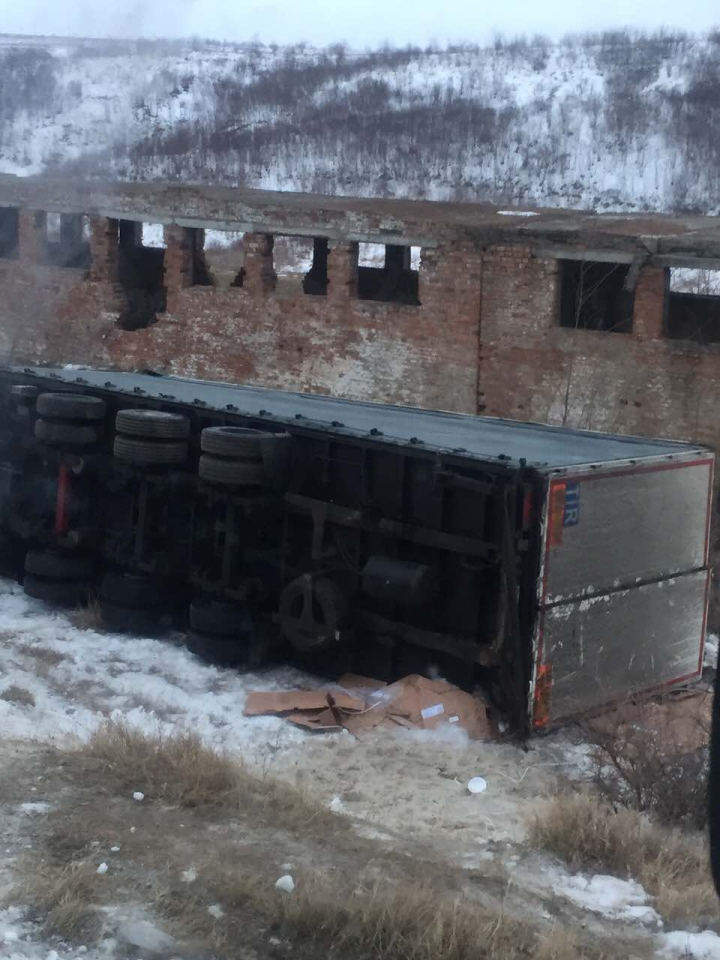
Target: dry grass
181 770
44 656
63 896
672 866
382 921
88 616
18 695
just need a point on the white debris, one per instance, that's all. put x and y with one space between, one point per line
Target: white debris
8 935
35 807
608 896
286 884
287 867
133 829
477 785
102 869
517 213
336 805
145 936
216 911
114 849
138 796
53 955
190 875
697 946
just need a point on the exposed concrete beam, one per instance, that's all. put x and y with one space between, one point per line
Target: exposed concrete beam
573 253
694 263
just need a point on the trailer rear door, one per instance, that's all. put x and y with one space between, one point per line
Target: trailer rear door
624 585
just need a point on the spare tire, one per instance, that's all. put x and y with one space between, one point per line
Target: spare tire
70 406
67 433
149 452
242 442
231 473
58 566
152 423
312 610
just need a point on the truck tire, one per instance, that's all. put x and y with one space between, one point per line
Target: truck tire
61 593
71 434
221 651
312 610
129 619
231 473
70 406
218 618
129 590
152 424
233 442
149 452
57 566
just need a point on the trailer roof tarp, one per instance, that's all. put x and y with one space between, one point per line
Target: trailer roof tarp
485 438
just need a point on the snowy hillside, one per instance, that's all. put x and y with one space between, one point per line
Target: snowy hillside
607 121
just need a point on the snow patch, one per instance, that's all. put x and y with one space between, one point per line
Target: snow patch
609 896
690 946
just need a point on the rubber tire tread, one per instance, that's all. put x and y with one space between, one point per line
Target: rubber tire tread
128 619
240 442
61 593
152 424
221 651
57 566
70 406
219 619
149 452
71 433
231 473
125 590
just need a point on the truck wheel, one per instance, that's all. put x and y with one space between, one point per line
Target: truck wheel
130 590
231 473
219 619
242 442
70 406
61 593
152 424
312 610
57 566
149 452
67 433
129 619
221 651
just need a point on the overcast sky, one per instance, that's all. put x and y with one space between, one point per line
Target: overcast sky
365 23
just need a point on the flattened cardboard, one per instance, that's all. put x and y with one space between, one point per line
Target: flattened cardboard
414 702
258 704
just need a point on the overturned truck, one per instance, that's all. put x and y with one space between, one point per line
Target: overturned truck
558 570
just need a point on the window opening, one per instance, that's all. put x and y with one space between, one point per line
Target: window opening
594 296
67 240
9 232
389 273
693 305
141 273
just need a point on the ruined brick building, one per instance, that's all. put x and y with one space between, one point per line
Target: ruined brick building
558 316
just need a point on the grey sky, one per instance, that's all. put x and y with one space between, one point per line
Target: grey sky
361 23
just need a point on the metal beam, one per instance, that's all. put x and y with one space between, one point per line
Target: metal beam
574 253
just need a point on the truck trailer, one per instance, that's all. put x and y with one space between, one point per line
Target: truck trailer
558 571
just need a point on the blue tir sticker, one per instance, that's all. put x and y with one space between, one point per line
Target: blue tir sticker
571 517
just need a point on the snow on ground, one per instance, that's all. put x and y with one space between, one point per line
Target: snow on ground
690 946
22 940
710 657
79 677
609 896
